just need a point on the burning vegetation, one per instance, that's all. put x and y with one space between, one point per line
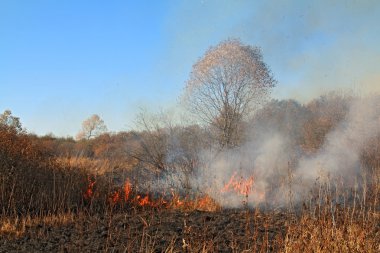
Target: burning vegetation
285 191
252 175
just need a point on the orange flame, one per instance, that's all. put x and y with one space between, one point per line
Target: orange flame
244 187
127 190
125 194
241 186
206 203
143 201
115 197
89 193
176 201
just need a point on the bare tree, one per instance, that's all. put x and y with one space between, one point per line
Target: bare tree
152 141
92 127
226 85
163 145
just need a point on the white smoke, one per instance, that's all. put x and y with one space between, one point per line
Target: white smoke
273 161
341 152
262 161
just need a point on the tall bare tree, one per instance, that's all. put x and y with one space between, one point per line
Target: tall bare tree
92 127
226 85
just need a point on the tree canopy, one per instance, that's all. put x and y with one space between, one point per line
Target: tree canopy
92 127
226 85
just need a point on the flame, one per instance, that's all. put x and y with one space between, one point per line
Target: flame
241 186
206 203
125 194
127 190
244 187
176 201
115 197
89 193
143 201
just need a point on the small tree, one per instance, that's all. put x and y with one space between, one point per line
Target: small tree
152 140
164 146
226 85
92 127
10 121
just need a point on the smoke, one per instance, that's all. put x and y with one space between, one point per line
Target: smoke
260 160
279 167
341 152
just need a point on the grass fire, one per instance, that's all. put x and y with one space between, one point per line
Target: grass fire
194 126
288 191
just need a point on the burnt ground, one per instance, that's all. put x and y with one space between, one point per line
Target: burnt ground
149 231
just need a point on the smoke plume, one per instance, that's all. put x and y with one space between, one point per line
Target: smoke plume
278 166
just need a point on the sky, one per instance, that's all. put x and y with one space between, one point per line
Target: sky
62 61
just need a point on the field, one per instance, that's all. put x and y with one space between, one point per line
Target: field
190 126
193 231
135 192
133 223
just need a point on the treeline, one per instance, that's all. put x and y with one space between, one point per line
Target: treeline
161 144
104 146
37 172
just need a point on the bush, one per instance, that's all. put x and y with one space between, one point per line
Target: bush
32 181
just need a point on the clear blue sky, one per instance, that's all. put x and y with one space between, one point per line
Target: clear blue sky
62 61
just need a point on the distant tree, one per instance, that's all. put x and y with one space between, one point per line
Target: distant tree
163 145
325 113
152 141
10 121
111 146
92 127
226 85
281 116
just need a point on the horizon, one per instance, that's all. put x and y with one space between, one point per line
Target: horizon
62 62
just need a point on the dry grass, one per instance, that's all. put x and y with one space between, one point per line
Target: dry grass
322 235
44 208
95 166
316 227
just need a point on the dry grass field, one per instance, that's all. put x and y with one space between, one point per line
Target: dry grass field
138 223
107 200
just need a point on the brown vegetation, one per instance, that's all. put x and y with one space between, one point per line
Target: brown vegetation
101 194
